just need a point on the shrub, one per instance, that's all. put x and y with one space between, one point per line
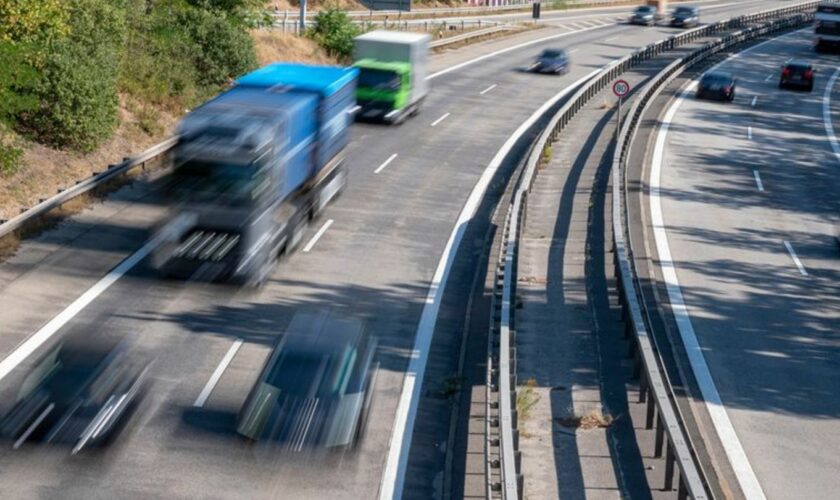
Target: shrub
77 91
334 31
33 20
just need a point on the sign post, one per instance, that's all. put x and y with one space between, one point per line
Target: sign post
620 88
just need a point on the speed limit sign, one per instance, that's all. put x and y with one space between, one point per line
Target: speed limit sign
621 88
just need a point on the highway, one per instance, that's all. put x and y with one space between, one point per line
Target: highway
373 255
743 212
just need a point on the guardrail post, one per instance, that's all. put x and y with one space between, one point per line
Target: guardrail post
660 435
651 412
669 469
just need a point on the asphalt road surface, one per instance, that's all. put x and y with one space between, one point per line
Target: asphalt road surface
748 195
374 261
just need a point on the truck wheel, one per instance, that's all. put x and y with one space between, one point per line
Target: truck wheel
416 110
298 233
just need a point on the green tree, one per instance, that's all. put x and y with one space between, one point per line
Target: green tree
77 91
17 81
334 31
37 21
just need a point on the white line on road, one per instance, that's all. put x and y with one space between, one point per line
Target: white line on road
768 77
217 374
754 100
317 236
749 132
47 331
488 89
573 51
796 260
758 182
434 123
385 163
826 108
393 477
508 49
610 39
714 405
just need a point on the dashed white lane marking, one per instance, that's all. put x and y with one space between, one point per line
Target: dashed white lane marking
573 51
217 374
754 100
387 162
434 123
711 396
488 89
317 236
749 132
768 78
758 182
795 258
610 39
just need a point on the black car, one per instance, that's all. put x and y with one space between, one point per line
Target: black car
685 16
644 14
79 394
797 74
717 85
315 390
554 61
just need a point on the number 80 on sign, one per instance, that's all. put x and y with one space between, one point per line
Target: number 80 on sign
621 88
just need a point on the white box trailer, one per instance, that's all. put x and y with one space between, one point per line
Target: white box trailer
393 69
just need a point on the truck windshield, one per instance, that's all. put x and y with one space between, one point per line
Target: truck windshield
379 79
218 183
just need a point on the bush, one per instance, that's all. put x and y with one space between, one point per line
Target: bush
10 157
334 31
77 91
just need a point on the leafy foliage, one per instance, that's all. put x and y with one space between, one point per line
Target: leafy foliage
33 20
334 31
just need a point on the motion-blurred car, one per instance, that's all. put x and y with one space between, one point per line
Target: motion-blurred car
685 16
644 14
551 61
78 394
717 85
797 74
315 390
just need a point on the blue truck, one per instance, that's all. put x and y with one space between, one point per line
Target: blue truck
252 167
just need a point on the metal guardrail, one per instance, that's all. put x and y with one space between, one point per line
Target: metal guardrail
655 385
442 42
113 172
679 450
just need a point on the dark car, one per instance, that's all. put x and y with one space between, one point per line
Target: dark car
315 390
551 61
797 74
644 14
79 394
685 16
717 85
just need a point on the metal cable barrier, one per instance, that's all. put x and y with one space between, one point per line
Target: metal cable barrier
502 450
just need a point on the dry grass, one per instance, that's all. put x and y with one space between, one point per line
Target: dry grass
593 419
45 170
273 45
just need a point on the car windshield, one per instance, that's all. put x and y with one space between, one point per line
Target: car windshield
798 67
717 79
552 54
225 183
644 9
379 79
303 373
684 11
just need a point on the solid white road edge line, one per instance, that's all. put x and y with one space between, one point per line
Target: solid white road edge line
385 163
434 123
393 477
758 182
826 107
217 374
711 397
796 260
488 89
317 236
35 341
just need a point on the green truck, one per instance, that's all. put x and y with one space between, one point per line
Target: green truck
392 74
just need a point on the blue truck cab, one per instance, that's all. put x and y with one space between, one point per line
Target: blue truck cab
252 167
